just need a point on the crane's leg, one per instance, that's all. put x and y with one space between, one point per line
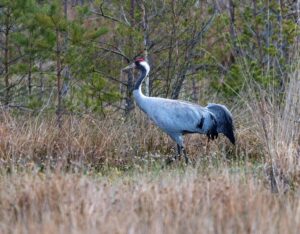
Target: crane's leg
177 156
180 146
187 160
207 146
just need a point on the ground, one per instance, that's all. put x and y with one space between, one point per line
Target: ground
223 198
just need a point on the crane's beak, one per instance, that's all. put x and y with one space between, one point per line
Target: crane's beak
131 66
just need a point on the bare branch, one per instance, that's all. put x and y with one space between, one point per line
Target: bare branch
110 77
101 13
116 52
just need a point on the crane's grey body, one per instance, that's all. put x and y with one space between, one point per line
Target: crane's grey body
168 115
177 118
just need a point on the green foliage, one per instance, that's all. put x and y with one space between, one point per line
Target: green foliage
184 39
83 11
34 103
44 20
76 33
259 43
94 34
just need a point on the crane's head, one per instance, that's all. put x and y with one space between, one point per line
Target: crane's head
139 63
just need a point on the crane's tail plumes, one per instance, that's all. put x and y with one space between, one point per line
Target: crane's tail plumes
224 120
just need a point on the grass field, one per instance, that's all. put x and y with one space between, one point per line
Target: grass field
223 199
89 178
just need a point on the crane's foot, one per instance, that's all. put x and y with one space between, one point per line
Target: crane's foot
187 160
177 157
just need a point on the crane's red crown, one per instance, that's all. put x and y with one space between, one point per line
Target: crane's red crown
139 60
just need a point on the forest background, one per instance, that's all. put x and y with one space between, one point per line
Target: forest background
66 56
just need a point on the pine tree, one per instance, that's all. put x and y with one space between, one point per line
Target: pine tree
10 27
72 48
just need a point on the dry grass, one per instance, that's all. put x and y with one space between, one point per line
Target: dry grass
277 120
90 143
82 141
169 201
104 175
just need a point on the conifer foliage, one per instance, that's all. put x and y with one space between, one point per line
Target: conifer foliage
65 56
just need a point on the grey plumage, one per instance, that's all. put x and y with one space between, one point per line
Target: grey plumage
224 120
177 118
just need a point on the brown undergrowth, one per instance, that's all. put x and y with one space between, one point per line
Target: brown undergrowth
276 118
88 142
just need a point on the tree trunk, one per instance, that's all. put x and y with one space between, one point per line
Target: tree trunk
6 61
258 38
179 83
171 50
66 74
280 69
232 28
42 86
194 89
58 76
146 44
129 103
30 73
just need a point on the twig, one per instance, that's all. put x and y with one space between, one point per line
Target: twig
111 78
116 52
101 13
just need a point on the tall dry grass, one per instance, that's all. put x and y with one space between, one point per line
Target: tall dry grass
85 141
276 120
88 142
169 201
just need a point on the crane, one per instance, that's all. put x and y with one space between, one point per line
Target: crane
177 118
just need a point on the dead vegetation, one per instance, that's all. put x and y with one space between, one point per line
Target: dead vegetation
276 120
168 201
94 142
104 175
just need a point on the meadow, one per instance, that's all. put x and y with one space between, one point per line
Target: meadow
226 199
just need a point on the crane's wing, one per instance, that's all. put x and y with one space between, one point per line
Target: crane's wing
224 120
177 116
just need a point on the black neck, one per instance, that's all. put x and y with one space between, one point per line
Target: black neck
141 78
